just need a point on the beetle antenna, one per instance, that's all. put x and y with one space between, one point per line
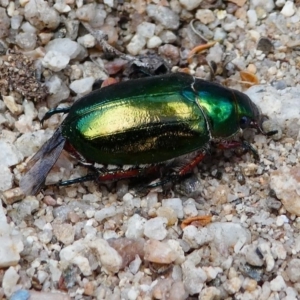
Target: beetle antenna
258 125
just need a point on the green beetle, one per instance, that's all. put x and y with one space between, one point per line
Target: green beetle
144 126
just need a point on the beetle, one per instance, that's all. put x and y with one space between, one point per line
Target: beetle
143 127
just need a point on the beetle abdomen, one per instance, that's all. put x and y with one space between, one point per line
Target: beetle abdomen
146 129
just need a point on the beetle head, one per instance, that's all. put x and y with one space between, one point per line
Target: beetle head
250 115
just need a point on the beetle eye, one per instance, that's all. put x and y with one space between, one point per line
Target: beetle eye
245 122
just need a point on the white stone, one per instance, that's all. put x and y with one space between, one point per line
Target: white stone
86 12
40 14
228 234
42 276
87 41
190 209
190 4
6 178
232 285
288 9
189 234
175 204
83 264
268 5
9 281
26 40
154 42
280 3
203 236
109 258
64 232
211 272
16 22
219 34
65 46
293 270
136 44
265 250
291 293
45 236
164 15
252 17
9 154
167 36
62 7
58 90
54 270
155 228
135 227
270 102
193 277
10 248
73 254
82 86
106 212
210 293
278 250
27 27
251 255
286 184
280 220
134 266
5 228
110 3
133 293
159 252
55 60
146 29
178 251
206 16
277 284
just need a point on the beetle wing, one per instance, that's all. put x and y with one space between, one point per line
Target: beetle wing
147 129
41 164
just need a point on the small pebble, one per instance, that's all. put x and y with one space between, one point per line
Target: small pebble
9 281
265 250
159 252
293 270
55 60
232 285
146 29
209 293
175 204
164 15
65 46
156 228
190 4
65 233
288 9
277 284
206 16
136 44
87 41
154 42
82 86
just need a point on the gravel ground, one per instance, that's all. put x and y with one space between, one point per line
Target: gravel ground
229 231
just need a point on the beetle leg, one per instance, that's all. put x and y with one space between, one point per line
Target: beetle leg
114 175
187 168
238 144
54 111
192 164
89 177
